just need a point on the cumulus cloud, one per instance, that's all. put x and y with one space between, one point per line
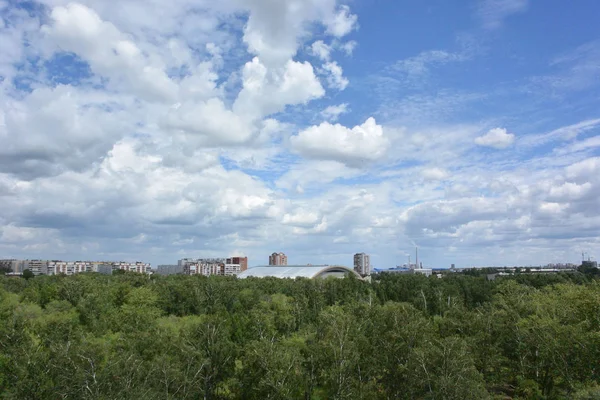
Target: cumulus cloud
78 29
354 147
56 130
266 92
342 23
321 50
171 128
332 113
209 123
497 138
273 28
335 77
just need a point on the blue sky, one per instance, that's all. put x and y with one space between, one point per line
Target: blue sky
157 130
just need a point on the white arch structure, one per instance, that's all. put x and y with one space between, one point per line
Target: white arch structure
298 271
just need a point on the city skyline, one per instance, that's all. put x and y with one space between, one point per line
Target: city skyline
470 130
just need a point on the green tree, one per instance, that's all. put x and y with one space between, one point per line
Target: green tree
27 274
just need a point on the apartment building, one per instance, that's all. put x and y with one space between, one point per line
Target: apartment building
232 269
76 267
140 267
203 266
278 259
242 261
362 264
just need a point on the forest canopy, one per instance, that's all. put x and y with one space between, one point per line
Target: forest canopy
134 336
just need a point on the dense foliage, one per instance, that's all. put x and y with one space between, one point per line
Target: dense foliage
400 337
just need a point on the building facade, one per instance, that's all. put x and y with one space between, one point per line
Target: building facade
59 267
139 267
203 266
242 261
212 266
362 264
76 267
10 265
232 269
173 269
278 259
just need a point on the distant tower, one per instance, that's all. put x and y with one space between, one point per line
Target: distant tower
362 264
416 257
278 259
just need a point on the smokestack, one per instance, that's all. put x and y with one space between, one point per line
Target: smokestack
416 258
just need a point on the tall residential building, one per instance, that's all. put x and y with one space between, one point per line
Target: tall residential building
362 264
277 259
242 261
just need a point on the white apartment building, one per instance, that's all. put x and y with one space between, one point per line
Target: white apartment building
203 268
56 267
232 269
139 267
362 264
76 267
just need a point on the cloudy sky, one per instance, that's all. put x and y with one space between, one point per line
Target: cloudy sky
159 129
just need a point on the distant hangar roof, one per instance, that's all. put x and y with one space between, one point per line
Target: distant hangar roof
298 271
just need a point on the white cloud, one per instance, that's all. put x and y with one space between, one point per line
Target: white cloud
349 47
321 50
497 138
209 124
58 129
434 174
342 23
560 134
266 92
183 139
79 29
273 28
335 77
354 147
419 64
584 169
332 113
301 218
493 12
